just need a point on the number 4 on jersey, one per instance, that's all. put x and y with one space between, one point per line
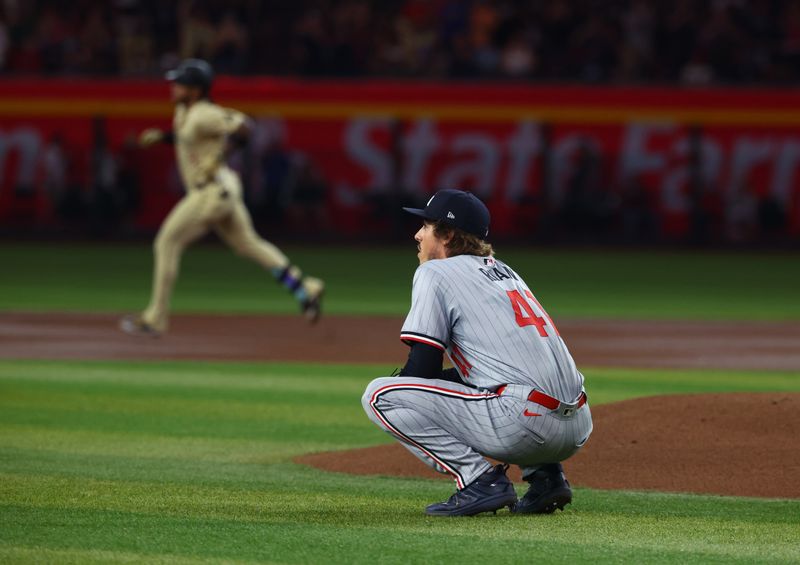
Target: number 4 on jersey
525 315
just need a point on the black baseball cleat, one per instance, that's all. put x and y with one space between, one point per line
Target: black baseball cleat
549 491
488 493
311 306
134 325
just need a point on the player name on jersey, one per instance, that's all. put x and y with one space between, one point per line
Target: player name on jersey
498 273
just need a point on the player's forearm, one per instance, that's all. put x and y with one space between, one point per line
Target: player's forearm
151 136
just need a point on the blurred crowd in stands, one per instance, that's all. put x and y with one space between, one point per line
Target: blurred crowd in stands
688 42
596 41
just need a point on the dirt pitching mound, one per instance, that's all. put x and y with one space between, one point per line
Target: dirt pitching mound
737 444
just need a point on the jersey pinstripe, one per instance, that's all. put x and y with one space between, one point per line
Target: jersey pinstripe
491 326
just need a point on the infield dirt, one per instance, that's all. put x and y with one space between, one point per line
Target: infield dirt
368 339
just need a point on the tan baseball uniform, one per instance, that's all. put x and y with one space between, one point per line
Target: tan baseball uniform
213 201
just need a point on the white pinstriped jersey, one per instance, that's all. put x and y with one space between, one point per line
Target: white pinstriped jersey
492 327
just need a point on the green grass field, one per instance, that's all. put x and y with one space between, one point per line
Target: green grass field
585 284
188 462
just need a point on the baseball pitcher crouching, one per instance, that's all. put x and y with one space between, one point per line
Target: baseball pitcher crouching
514 393
213 200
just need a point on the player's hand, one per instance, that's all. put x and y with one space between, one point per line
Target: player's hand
150 136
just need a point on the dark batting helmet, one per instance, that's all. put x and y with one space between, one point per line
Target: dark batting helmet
193 72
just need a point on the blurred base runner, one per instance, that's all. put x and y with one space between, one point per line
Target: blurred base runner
201 133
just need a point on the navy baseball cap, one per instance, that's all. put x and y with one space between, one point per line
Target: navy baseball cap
192 72
462 210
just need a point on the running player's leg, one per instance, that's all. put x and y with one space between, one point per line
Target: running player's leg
446 425
237 231
183 225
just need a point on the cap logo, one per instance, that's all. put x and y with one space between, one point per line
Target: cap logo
451 216
431 200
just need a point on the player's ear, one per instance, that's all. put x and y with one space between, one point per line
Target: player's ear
446 236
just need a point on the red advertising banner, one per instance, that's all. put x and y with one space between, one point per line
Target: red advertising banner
632 162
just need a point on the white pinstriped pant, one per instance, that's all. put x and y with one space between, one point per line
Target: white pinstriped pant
450 427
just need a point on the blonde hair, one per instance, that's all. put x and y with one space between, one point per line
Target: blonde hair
461 242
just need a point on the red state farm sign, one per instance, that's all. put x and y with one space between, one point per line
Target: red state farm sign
563 154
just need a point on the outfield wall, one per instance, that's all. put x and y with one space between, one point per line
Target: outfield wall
660 162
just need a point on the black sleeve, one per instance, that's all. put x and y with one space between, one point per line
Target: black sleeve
424 361
452 375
